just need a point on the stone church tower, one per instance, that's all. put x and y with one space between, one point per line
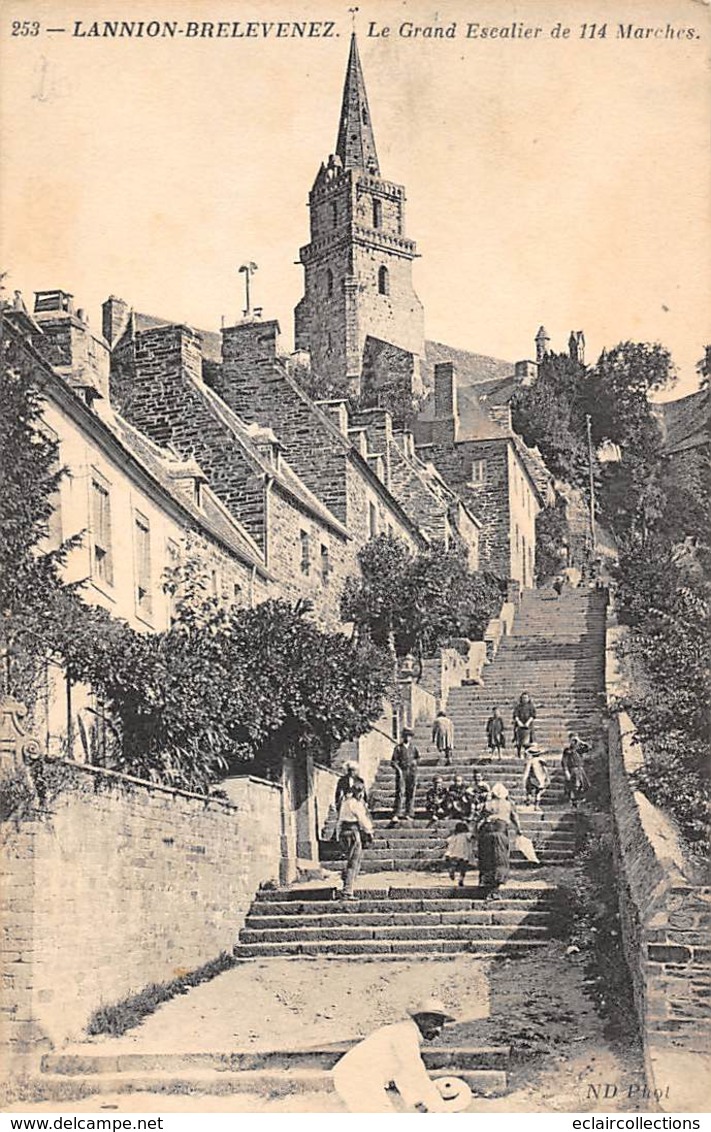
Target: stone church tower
360 318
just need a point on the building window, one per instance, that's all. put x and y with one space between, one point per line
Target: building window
305 552
364 115
377 213
102 557
372 520
144 594
54 522
478 471
383 281
329 282
334 213
170 585
215 583
325 564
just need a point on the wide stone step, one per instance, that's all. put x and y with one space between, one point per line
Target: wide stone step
415 858
507 917
437 836
317 1057
383 948
533 825
414 847
423 864
452 904
268 1083
421 892
364 932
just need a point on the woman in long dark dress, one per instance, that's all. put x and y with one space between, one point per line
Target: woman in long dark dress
577 782
498 817
524 715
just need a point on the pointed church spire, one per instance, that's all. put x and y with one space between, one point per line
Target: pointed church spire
356 141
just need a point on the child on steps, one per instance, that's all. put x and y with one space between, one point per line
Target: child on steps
458 852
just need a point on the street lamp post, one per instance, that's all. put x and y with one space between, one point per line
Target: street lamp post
593 537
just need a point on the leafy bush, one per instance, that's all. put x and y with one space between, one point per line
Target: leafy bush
665 603
416 602
32 593
551 533
224 686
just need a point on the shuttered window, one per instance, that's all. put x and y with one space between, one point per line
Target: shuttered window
144 589
102 553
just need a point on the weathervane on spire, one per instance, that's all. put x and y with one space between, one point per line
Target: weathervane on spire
248 269
353 12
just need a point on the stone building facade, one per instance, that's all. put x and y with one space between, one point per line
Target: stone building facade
481 459
141 510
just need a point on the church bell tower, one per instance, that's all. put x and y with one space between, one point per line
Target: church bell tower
359 309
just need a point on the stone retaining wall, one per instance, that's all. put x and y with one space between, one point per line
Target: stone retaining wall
666 929
114 883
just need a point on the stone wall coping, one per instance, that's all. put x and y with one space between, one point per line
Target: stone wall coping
327 770
253 778
119 777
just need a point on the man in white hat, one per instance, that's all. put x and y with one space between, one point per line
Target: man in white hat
390 1056
347 783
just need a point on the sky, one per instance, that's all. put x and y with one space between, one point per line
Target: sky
550 179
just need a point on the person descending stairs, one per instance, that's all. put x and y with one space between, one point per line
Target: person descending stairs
556 654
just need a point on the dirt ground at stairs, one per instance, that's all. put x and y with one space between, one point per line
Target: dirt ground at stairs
536 1004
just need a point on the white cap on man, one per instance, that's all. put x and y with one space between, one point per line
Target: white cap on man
433 1006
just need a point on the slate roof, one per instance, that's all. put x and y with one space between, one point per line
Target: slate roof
109 428
472 369
210 340
481 381
213 516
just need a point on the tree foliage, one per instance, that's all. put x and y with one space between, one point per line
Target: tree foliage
551 534
550 414
226 686
32 592
663 596
617 396
417 602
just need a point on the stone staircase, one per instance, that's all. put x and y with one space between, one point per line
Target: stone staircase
397 921
272 1073
556 653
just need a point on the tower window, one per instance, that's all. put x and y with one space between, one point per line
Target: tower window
383 281
334 213
478 471
329 282
377 213
364 115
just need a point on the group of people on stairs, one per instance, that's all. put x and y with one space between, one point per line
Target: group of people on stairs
487 825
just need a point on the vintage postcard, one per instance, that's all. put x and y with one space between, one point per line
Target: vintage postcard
355 557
